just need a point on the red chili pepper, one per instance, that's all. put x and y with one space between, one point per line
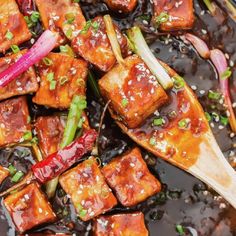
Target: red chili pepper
60 161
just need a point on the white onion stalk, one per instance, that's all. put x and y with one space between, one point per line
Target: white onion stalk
142 49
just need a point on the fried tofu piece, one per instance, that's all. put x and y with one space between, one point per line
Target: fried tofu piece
134 92
63 16
3 174
29 208
24 84
180 14
131 224
49 132
88 190
122 6
94 46
14 121
130 178
13 28
61 80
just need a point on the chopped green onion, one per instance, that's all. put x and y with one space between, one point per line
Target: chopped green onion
28 21
52 85
27 135
144 17
76 0
28 119
172 114
81 211
63 48
180 229
47 61
15 48
70 17
124 102
208 116
34 17
226 74
214 95
17 176
95 25
224 120
86 27
9 35
67 50
178 82
152 141
158 121
162 18
215 116
34 140
50 76
184 123
12 169
63 80
69 33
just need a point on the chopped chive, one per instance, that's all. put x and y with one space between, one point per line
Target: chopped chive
172 114
184 123
76 0
69 33
27 135
17 176
34 17
224 120
86 27
162 18
34 140
178 82
28 119
158 121
15 48
81 211
70 17
28 21
226 74
208 116
63 80
50 76
95 25
47 61
52 85
63 48
124 102
152 141
214 95
215 116
9 35
145 17
180 229
12 169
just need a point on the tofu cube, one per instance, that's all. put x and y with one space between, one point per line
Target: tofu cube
130 178
134 92
94 46
131 224
3 174
88 190
122 6
14 121
13 28
23 84
29 208
49 132
63 16
180 14
61 79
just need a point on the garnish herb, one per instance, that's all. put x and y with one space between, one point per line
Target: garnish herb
226 74
17 176
34 140
162 18
183 124
9 35
180 229
178 82
208 116
86 27
214 95
12 169
124 102
27 135
224 120
63 48
81 211
33 19
63 80
69 33
70 17
159 121
76 0
152 141
52 82
47 61
15 48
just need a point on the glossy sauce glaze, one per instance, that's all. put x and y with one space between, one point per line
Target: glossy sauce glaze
184 199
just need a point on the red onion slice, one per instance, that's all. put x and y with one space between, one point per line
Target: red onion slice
39 50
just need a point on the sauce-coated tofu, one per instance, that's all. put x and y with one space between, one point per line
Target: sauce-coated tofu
63 78
29 208
13 28
121 6
134 92
180 14
131 224
24 84
63 16
3 174
14 121
130 178
49 132
88 190
94 46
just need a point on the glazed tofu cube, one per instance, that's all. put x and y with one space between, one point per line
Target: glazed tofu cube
29 208
88 190
179 14
24 84
3 174
61 79
49 132
94 46
134 92
14 121
130 178
122 6
13 28
63 16
132 224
